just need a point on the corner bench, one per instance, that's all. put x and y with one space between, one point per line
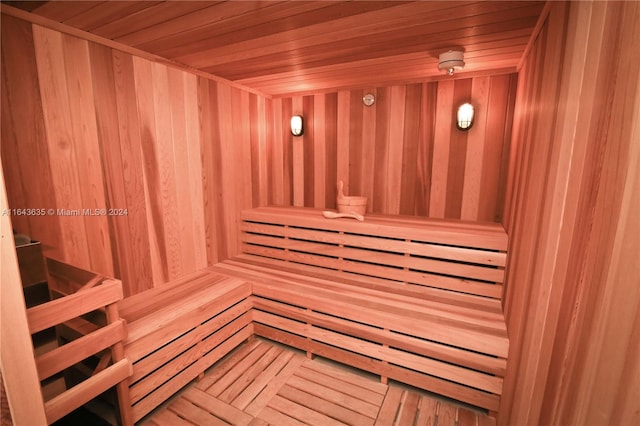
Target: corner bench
414 300
178 330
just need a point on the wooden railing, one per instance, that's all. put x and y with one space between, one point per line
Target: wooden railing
96 293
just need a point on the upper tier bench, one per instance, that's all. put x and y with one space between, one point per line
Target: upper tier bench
410 299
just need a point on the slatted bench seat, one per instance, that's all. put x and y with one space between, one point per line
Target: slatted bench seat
413 300
178 330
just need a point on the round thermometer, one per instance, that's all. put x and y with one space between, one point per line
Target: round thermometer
368 99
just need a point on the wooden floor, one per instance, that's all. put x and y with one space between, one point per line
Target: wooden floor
263 383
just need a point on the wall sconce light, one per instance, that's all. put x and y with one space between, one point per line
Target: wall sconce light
296 125
465 116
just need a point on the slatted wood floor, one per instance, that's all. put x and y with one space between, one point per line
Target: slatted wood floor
262 383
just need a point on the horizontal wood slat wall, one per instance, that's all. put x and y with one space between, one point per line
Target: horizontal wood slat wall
85 126
404 153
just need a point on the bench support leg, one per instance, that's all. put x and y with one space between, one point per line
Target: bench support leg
309 353
384 379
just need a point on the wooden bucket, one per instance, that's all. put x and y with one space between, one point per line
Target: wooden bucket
351 204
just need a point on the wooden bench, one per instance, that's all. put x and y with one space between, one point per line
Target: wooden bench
178 330
414 300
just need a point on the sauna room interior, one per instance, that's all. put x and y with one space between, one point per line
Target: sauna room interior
163 225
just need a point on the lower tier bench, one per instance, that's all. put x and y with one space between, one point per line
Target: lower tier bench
414 300
178 330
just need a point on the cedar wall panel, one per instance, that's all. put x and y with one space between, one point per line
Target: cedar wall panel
404 153
88 127
572 299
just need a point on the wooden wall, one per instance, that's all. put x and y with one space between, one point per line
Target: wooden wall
404 153
572 298
86 126
89 127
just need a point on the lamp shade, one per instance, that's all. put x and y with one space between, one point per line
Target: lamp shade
464 119
296 125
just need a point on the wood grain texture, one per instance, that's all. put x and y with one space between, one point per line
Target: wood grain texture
368 248
261 382
89 292
168 155
49 46
303 47
404 152
19 374
572 297
178 330
22 146
397 296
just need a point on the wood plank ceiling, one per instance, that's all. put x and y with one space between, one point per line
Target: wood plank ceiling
285 47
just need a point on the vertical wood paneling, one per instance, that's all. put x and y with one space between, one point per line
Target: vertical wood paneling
308 149
457 150
331 148
22 146
107 130
184 213
409 192
152 178
343 133
572 295
60 143
380 167
441 148
496 144
287 151
9 154
425 150
319 151
474 159
404 152
261 151
241 138
139 276
298 149
227 199
355 147
87 150
106 113
395 154
366 151
195 223
223 156
278 185
165 170
211 168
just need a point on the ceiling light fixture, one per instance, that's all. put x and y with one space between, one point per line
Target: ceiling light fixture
451 61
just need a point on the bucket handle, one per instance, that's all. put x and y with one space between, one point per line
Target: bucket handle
340 190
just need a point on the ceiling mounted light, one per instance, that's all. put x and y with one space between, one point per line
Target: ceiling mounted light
451 61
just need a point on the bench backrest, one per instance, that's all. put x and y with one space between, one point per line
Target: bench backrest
462 257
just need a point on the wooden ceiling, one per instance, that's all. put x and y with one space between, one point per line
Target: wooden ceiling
285 47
